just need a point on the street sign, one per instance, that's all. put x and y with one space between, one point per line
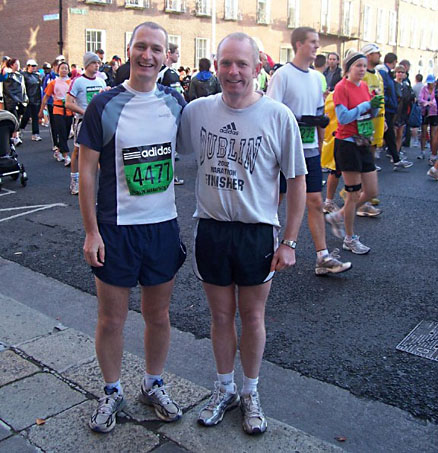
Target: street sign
79 11
48 17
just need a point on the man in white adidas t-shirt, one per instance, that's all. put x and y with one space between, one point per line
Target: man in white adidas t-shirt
129 132
241 139
299 88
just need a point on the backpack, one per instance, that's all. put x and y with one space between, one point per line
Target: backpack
415 117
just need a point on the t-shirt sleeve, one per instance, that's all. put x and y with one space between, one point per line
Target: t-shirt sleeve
340 95
292 162
73 90
90 134
50 88
275 87
184 141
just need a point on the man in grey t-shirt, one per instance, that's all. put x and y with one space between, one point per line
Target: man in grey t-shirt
241 140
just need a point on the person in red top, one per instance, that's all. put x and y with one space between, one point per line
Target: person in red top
355 109
63 117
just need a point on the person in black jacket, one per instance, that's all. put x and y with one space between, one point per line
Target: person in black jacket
204 83
333 73
14 92
123 73
33 84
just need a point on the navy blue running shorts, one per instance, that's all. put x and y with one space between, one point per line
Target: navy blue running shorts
149 254
234 252
314 174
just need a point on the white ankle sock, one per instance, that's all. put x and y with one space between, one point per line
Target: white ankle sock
227 381
322 253
149 379
249 385
115 385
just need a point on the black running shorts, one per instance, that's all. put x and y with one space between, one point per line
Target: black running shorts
233 252
350 157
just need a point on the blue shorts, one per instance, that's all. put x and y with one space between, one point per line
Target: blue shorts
149 254
314 174
234 252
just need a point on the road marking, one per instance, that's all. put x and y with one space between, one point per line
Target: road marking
35 208
6 192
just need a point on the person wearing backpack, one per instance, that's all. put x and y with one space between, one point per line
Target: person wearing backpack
205 82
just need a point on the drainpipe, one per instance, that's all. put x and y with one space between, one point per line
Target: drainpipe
60 42
213 28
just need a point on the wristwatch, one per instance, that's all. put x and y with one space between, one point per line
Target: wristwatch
291 244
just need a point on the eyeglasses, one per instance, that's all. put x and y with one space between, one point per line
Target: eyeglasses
33 65
400 72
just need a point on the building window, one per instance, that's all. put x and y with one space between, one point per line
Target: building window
175 6
263 11
128 35
325 8
231 10
380 29
367 32
102 2
94 39
201 49
137 3
286 54
347 17
176 39
403 32
392 28
293 13
203 8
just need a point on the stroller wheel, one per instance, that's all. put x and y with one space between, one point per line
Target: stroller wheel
15 177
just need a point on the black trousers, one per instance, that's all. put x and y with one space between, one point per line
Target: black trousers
62 126
53 132
32 110
389 136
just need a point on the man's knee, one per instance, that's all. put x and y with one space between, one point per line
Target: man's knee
111 324
314 201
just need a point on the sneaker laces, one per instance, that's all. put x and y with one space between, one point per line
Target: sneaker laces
216 398
334 256
160 394
253 409
106 404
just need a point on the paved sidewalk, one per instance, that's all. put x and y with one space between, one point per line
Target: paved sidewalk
50 379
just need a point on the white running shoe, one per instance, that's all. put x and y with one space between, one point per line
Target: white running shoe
36 138
433 173
67 161
74 186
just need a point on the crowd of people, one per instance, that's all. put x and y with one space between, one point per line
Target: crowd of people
260 133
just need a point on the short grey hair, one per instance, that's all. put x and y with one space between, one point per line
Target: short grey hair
239 36
153 26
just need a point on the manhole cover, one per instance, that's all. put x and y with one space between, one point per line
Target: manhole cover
422 341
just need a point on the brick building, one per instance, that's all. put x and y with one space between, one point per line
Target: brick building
34 30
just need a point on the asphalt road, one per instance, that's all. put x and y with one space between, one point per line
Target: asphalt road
342 330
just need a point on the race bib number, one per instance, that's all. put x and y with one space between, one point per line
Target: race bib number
307 134
91 92
148 168
365 126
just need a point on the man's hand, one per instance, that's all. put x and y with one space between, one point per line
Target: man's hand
283 258
94 250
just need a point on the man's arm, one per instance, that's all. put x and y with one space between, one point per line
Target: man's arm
296 203
94 248
70 103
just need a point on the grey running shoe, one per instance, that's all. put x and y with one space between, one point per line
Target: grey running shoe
355 246
432 161
177 181
402 164
433 173
368 210
254 420
74 186
337 224
330 264
165 409
103 418
329 206
422 155
220 402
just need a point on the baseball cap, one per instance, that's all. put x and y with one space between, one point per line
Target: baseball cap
47 65
430 78
368 49
31 62
60 58
90 57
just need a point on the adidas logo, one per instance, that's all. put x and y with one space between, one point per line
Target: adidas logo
229 129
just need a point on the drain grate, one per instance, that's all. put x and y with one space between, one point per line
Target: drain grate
422 341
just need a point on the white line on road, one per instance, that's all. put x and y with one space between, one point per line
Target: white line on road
35 208
6 192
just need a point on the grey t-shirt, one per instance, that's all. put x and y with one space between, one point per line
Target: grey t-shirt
240 154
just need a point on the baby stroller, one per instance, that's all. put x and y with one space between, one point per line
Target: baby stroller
9 165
